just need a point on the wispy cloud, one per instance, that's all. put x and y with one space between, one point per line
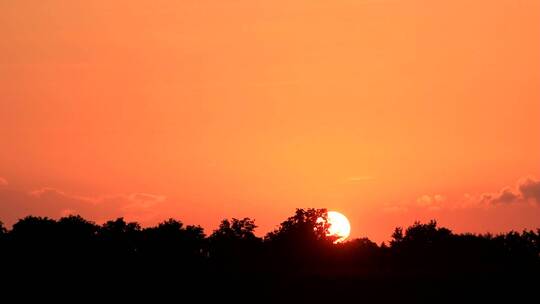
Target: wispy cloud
360 178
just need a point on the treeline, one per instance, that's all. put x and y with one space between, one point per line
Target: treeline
298 256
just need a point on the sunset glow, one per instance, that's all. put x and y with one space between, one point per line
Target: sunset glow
393 110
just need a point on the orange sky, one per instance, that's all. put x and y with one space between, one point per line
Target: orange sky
386 110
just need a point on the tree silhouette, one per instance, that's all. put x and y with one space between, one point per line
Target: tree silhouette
3 229
234 244
301 241
119 237
74 228
171 239
235 229
33 234
423 261
306 226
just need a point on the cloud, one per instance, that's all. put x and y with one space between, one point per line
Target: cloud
526 190
427 200
3 182
56 203
432 202
146 199
361 178
530 189
47 194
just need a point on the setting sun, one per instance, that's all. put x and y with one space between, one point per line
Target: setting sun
339 226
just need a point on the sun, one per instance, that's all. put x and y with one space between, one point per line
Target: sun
339 226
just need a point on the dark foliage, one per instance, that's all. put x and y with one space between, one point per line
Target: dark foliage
295 262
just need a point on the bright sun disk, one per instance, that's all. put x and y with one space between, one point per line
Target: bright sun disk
339 226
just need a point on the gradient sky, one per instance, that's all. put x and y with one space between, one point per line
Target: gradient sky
386 110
